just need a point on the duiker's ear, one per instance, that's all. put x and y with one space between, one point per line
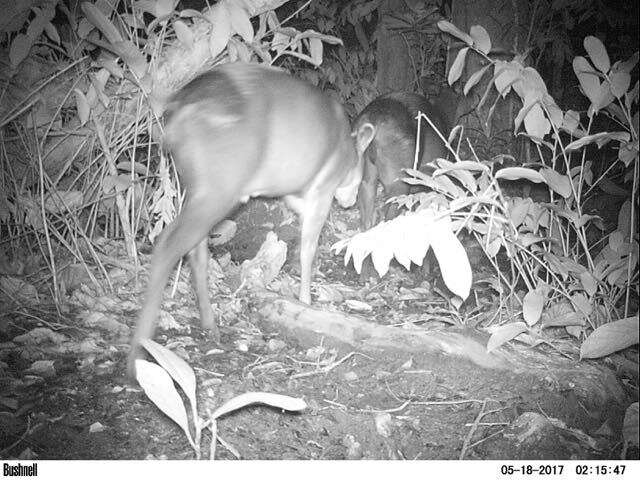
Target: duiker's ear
364 136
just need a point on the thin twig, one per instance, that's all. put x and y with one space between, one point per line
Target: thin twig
325 369
467 440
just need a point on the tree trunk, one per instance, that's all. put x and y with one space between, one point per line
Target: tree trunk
507 23
392 55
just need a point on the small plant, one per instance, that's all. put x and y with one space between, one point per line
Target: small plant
157 381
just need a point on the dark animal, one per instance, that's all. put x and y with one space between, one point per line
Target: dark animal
385 134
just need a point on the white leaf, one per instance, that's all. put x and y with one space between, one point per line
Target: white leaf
532 306
179 370
158 386
451 256
610 338
275 400
505 333
220 28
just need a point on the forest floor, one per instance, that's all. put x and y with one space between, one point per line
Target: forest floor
65 396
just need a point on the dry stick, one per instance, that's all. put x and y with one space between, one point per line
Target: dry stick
473 429
482 440
632 228
409 402
388 410
120 203
213 426
229 447
450 402
52 325
325 369
72 225
45 225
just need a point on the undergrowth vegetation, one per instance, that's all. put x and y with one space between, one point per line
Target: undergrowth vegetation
554 261
82 162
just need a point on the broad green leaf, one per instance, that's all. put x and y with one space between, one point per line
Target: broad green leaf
451 255
528 239
463 176
36 26
624 219
481 38
179 370
20 46
101 22
628 153
504 333
571 120
463 165
518 210
190 13
158 386
239 18
589 283
445 185
600 139
474 79
616 240
417 239
316 48
147 6
561 314
575 331
506 75
283 402
62 201
224 231
448 27
552 111
630 425
560 184
85 27
618 276
220 28
519 173
597 53
587 77
381 257
458 65
610 338
82 105
493 247
620 82
132 56
164 8
582 304
531 86
116 183
52 32
330 39
535 122
628 64
532 306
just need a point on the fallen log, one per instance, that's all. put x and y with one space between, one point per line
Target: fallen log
308 325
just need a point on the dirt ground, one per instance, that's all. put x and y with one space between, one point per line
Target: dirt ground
383 404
